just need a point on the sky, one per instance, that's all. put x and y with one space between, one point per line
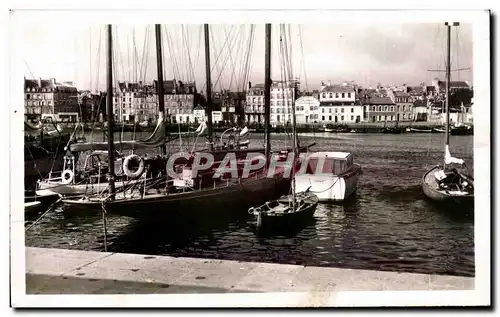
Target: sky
390 54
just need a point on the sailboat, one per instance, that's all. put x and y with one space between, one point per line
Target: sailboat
91 177
445 183
289 210
185 192
43 150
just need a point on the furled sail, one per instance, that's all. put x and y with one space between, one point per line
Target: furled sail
156 139
244 132
448 159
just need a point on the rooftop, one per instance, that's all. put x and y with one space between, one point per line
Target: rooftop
338 88
307 100
257 86
378 101
453 84
401 94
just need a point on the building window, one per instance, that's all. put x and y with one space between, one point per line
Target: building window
331 95
342 110
336 95
342 118
329 118
352 110
352 118
392 118
323 111
323 95
392 108
404 116
330 110
323 117
373 108
348 95
404 108
398 108
343 95
379 109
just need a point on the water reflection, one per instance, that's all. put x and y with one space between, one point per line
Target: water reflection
389 224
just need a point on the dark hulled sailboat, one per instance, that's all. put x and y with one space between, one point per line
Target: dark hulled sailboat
443 183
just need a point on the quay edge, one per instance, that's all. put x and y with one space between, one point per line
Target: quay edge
60 271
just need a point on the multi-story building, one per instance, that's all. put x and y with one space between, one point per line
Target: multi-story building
89 105
254 107
125 98
420 110
440 86
340 112
379 109
307 110
233 104
47 98
137 102
338 104
180 99
403 102
282 99
345 93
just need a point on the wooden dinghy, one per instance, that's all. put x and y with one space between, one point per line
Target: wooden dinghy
281 214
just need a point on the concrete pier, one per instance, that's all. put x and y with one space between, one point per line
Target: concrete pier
57 271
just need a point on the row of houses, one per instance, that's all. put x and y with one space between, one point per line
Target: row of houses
337 103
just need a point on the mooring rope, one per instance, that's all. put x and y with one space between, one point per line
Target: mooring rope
316 192
43 215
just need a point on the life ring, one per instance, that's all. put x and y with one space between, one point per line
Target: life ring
67 177
139 170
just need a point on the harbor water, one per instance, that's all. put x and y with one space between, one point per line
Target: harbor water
388 225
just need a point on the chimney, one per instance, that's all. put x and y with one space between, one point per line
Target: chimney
249 84
329 83
39 81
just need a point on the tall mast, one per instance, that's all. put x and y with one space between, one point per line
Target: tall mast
209 86
448 72
161 94
295 149
109 108
267 91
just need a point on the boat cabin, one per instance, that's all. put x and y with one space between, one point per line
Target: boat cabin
335 163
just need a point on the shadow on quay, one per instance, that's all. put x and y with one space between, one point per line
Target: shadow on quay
44 284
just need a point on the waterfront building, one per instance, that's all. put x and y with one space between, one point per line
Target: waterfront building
199 114
283 94
233 104
344 93
403 102
138 102
307 110
420 110
440 85
89 105
340 112
379 109
127 102
254 107
48 98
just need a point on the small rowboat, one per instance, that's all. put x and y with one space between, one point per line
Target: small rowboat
281 214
